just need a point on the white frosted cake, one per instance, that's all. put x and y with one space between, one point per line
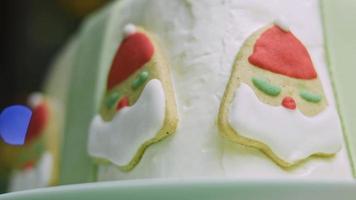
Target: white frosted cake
193 89
157 89
199 43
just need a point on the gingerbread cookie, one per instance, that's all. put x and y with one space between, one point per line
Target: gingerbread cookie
274 100
138 108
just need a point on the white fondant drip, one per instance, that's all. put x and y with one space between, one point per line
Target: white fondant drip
36 177
119 139
290 134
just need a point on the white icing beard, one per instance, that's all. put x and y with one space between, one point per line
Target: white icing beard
36 177
119 139
291 135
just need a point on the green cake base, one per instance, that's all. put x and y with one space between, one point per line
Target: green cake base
340 35
208 189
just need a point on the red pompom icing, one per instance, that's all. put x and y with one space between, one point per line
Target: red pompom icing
38 121
134 52
289 103
122 103
281 52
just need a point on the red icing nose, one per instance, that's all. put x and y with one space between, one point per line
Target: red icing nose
122 103
289 103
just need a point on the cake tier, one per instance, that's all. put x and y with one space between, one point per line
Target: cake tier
200 40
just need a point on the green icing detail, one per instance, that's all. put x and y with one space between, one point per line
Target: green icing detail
266 87
139 80
112 99
311 97
33 152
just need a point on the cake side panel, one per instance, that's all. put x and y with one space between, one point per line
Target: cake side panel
340 32
76 165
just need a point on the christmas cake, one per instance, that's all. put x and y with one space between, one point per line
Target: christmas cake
246 86
190 89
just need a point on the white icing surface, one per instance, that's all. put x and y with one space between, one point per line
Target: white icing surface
260 167
36 177
290 134
119 139
201 40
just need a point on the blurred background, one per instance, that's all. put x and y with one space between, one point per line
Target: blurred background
32 32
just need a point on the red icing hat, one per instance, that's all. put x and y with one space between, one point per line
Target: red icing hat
134 51
38 121
281 52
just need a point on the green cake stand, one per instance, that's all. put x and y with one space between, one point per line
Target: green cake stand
184 189
340 33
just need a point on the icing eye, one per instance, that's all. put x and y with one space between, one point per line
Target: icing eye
139 80
266 87
309 96
112 99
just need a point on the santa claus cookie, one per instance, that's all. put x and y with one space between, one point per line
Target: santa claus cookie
274 100
34 164
139 107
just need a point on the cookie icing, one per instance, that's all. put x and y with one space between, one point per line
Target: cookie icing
309 96
291 135
133 53
266 87
36 177
281 52
119 140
